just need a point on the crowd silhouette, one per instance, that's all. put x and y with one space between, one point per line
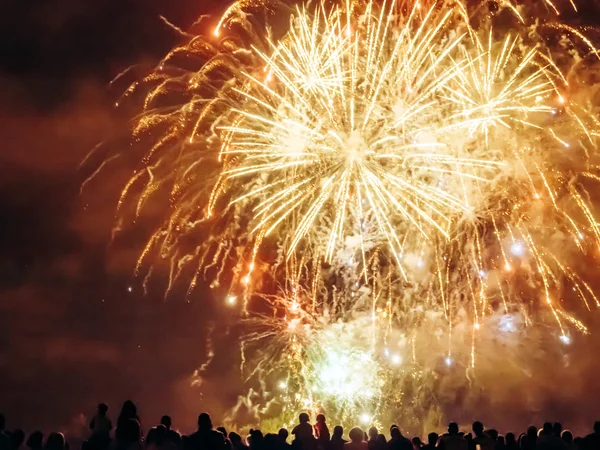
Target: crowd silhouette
128 435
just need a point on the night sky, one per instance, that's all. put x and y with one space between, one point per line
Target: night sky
71 333
75 328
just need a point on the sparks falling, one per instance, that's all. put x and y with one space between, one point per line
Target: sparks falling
415 163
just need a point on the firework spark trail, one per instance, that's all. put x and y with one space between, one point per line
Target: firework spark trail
406 165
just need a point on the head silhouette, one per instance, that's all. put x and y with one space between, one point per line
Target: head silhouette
416 442
510 439
453 428
56 441
17 437
303 418
381 440
557 429
532 431
35 440
567 437
235 438
432 439
283 434
546 429
271 441
395 433
102 409
151 437
256 437
128 411
493 434
597 427
356 434
338 431
204 422
373 433
166 421
321 418
477 428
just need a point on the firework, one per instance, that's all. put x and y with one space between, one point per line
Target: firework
382 178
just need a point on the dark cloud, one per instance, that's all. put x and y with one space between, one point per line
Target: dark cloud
71 333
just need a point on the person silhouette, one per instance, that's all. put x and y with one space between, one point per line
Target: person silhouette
283 436
469 438
100 425
161 438
529 441
337 441
567 438
321 429
166 421
416 443
129 435
5 441
557 429
223 431
303 432
271 442
592 440
511 441
547 439
357 440
257 440
173 436
236 441
546 429
453 440
205 438
55 441
381 442
480 438
373 442
17 438
397 440
150 437
35 440
432 439
128 412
